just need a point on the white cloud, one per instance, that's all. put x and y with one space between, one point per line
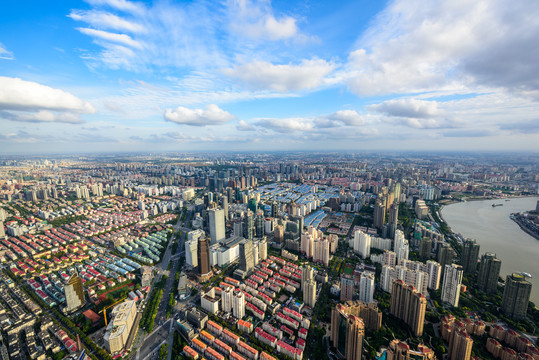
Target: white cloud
5 54
123 5
106 20
245 126
286 125
122 39
260 75
255 20
18 94
410 108
42 116
212 115
416 46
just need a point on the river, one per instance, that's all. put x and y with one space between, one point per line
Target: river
496 232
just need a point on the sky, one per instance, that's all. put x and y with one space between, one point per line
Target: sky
245 75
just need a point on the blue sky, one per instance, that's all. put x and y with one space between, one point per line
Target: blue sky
118 75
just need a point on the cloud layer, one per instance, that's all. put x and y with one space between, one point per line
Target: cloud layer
212 115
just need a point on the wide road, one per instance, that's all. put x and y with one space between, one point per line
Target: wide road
163 326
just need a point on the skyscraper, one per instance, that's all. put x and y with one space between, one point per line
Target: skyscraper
401 245
408 305
217 225
379 214
425 246
451 284
191 251
516 296
347 287
362 244
203 256
460 344
445 255
74 293
246 255
489 271
469 256
227 294
238 305
393 218
347 332
249 225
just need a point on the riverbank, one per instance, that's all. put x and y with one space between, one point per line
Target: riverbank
523 225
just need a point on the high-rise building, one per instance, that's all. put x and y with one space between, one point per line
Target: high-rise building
516 296
259 224
191 251
451 284
224 204
347 332
460 344
2 231
435 274
445 255
469 256
408 305
366 287
249 227
74 293
362 244
246 255
401 246
203 256
321 251
227 293
238 305
275 209
278 234
217 225
393 218
348 288
425 246
120 324
489 271
379 214
307 274
309 293
262 249
399 350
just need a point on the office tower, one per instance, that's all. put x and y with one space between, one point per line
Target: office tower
379 214
74 293
227 294
362 244
347 332
191 248
435 274
408 305
259 224
217 225
249 225
489 271
347 287
203 256
451 284
366 288
516 296
401 246
460 344
445 255
238 228
309 293
238 305
469 256
425 246
246 255
393 218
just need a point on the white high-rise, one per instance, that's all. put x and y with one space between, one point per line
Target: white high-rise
435 272
262 249
238 305
309 293
401 246
227 294
191 248
321 251
451 284
217 225
366 287
362 244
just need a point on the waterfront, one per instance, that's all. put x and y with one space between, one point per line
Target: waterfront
496 232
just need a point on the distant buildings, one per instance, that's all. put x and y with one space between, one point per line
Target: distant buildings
516 296
408 305
451 284
74 293
489 271
469 256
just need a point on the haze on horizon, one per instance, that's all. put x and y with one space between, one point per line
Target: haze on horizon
242 75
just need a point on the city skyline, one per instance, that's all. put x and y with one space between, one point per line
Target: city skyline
118 75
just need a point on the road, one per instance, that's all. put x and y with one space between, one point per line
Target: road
149 343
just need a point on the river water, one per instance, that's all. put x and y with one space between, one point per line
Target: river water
496 232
